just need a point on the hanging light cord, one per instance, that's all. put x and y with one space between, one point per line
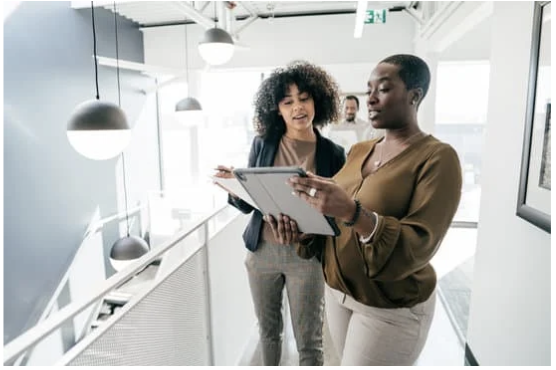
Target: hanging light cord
117 55
95 47
119 105
125 195
186 61
215 15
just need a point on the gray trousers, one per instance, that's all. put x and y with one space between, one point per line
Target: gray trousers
370 336
271 268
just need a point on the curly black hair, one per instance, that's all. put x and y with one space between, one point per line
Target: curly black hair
309 78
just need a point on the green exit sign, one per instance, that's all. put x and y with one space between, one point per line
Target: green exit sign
376 16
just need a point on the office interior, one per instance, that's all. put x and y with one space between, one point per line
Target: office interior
186 301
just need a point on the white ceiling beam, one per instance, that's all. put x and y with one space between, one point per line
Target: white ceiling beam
249 8
192 13
415 15
150 70
200 5
451 27
245 24
438 18
360 19
222 19
230 19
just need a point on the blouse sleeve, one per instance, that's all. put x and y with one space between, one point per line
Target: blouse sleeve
401 247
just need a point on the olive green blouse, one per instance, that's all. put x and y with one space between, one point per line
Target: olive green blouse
415 195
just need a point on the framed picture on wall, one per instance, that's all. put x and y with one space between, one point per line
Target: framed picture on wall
533 202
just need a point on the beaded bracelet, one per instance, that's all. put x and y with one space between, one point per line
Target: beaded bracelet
355 215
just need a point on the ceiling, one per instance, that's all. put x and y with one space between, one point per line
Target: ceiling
160 13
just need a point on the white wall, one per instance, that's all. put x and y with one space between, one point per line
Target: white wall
459 33
474 45
233 314
509 321
325 40
320 39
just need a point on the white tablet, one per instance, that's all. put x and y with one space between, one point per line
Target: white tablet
268 188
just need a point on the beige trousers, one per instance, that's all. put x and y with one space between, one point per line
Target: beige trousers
370 336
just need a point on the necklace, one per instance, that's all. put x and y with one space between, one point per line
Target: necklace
378 162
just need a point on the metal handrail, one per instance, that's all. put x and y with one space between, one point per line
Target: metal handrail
31 337
91 230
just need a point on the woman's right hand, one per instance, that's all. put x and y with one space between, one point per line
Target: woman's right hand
324 195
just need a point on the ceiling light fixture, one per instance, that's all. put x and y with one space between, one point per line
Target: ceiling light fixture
129 248
188 103
98 129
217 46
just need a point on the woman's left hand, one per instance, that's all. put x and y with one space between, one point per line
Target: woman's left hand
324 195
285 229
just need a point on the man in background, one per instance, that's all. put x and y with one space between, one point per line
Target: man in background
351 129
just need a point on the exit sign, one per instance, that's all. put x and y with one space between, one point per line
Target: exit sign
376 16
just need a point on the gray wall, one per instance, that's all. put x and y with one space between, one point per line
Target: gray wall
50 191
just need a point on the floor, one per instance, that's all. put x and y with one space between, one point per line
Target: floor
445 344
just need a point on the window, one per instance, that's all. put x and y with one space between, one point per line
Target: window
193 144
461 114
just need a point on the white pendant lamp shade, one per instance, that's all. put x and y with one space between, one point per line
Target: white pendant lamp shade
98 130
126 250
188 104
216 47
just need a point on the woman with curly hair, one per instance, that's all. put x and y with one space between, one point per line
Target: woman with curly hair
289 107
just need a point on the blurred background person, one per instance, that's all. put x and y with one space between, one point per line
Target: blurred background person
351 129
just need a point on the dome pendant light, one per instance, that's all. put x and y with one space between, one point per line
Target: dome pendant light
129 248
217 46
188 103
97 129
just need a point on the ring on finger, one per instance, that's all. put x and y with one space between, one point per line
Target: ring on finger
312 192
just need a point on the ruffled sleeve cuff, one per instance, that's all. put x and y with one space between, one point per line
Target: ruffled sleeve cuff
378 250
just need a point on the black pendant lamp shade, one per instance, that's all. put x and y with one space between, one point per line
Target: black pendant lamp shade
216 35
126 250
95 115
98 129
188 104
216 47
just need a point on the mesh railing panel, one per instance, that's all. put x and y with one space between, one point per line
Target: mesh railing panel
168 326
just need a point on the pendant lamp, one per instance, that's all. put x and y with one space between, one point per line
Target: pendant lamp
216 47
129 248
188 103
98 129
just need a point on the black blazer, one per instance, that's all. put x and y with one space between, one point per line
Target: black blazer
329 159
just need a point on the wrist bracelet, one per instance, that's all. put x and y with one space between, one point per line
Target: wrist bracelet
367 239
355 215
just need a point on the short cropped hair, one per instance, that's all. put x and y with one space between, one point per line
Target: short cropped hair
352 97
309 78
414 71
